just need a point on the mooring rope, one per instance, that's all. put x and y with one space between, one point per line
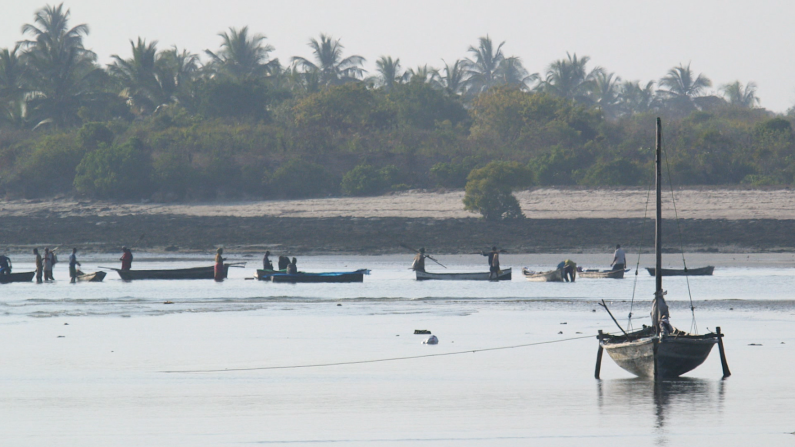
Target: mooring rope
640 248
359 362
693 324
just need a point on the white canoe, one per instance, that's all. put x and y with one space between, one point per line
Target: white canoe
504 275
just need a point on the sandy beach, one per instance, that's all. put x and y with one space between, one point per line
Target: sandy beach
559 220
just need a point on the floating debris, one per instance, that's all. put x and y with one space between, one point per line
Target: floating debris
66 324
422 331
339 304
432 340
564 323
62 336
560 332
578 332
754 344
168 302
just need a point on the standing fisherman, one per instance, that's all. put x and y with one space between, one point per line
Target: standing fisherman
5 265
73 263
494 262
126 259
419 261
619 259
219 265
39 265
49 262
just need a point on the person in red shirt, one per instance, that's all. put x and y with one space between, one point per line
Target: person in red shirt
126 258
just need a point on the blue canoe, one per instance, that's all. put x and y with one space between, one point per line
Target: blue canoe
355 276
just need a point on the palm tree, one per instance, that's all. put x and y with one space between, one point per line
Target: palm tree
454 79
482 70
511 72
242 56
388 70
636 99
422 74
569 78
12 91
332 68
61 69
176 70
680 83
737 95
606 93
138 76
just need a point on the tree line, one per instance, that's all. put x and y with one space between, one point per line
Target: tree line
170 125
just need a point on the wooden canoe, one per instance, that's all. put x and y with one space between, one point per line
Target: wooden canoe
549 276
303 277
189 273
614 274
503 275
670 355
17 277
701 271
265 275
92 277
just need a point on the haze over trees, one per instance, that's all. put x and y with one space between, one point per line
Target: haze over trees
165 123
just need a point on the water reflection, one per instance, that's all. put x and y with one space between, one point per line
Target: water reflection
676 405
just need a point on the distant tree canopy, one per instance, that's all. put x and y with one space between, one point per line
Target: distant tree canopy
161 123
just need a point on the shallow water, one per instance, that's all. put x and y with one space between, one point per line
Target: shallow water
99 379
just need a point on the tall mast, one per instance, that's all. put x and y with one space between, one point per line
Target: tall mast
658 226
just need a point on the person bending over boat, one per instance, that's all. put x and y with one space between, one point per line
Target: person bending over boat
266 262
494 262
126 258
219 265
5 265
73 263
39 265
292 267
419 261
569 270
619 259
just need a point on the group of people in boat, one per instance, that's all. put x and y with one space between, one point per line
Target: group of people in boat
493 261
284 263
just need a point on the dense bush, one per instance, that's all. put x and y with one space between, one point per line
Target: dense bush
299 178
365 180
121 171
489 190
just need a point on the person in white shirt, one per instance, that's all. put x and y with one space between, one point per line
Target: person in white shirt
619 259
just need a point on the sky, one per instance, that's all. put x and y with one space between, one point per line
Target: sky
726 40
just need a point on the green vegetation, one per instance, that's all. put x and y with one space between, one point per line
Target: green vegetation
162 124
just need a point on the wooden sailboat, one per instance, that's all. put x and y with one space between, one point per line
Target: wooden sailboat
659 351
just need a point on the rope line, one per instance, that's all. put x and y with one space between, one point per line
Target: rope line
693 325
358 362
640 249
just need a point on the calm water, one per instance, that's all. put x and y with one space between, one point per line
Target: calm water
83 364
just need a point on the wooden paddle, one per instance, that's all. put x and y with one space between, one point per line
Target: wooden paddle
417 251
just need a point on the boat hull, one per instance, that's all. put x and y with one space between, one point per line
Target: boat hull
17 277
702 271
189 273
673 355
332 277
549 276
92 277
612 274
265 275
503 275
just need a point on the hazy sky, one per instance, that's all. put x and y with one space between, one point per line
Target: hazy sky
638 40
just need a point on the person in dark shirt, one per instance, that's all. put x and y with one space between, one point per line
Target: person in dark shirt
292 267
73 263
266 262
284 261
5 265
494 262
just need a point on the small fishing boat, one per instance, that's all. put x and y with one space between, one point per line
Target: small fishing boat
659 351
302 277
548 276
17 277
613 274
265 275
91 277
502 275
189 273
701 271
